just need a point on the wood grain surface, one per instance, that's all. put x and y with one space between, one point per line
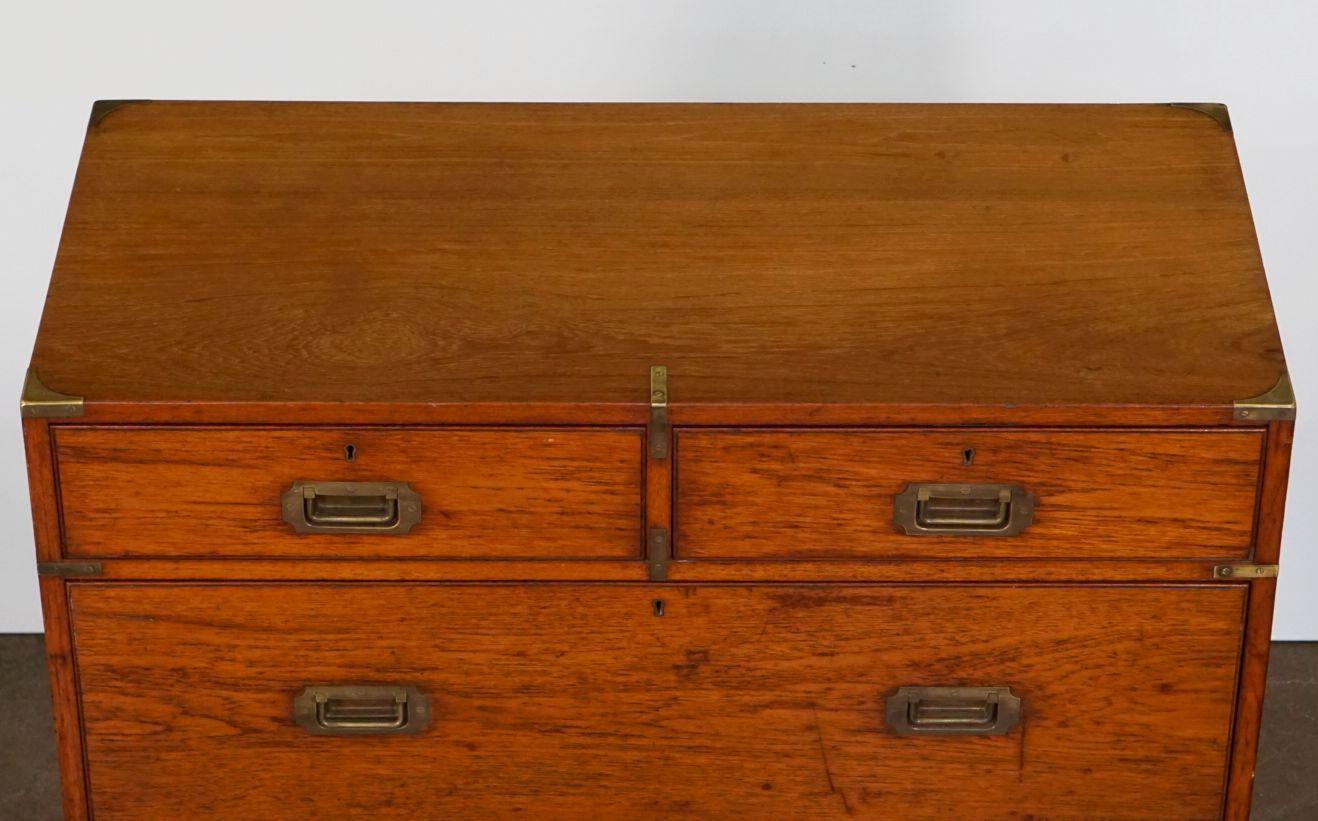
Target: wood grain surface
577 701
829 494
632 569
852 255
494 493
820 412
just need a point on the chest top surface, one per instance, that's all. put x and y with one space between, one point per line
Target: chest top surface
994 255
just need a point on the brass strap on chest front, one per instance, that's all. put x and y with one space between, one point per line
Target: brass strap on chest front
658 432
69 569
658 554
1245 571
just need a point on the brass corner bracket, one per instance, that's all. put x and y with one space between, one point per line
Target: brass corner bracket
103 108
40 402
1215 110
1277 403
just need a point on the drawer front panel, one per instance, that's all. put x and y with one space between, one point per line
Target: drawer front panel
217 492
830 494
595 701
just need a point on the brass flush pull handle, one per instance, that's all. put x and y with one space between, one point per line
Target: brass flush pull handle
361 710
963 510
953 711
386 508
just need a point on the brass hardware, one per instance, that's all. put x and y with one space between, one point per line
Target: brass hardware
40 402
1276 403
953 711
1245 571
963 510
1215 110
384 508
361 710
102 109
68 569
658 554
659 433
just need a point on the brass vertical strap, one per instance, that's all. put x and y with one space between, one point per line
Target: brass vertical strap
658 554
658 433
658 547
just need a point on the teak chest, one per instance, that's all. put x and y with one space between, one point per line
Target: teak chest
749 461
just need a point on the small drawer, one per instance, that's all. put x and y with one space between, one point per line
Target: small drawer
571 701
350 492
797 494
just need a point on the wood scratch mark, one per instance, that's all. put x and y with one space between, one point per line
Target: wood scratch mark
1020 766
828 768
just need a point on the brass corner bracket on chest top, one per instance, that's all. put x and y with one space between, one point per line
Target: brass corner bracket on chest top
103 108
1277 403
40 402
1217 111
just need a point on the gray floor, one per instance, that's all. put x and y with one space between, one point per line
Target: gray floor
1287 786
29 782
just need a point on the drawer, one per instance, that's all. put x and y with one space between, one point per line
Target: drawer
483 493
783 701
795 494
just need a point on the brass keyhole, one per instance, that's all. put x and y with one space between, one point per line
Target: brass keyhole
349 452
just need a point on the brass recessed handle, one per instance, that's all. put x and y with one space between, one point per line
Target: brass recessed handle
346 710
953 711
384 508
963 510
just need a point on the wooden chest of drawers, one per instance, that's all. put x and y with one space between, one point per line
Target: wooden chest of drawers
613 461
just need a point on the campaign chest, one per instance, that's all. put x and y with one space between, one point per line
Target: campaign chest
758 461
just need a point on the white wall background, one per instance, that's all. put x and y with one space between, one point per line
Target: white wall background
1255 55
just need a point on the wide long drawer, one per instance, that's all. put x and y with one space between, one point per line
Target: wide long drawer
812 494
782 701
250 492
